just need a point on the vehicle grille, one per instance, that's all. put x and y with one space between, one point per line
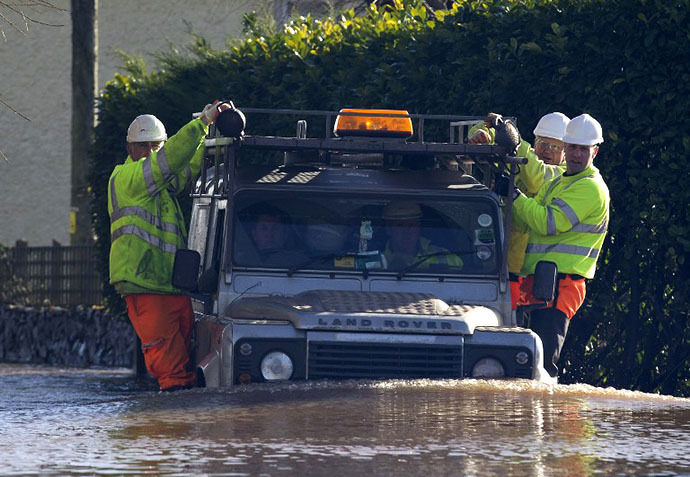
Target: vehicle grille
343 360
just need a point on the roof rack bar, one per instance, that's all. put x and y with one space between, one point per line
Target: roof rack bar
318 112
391 146
462 123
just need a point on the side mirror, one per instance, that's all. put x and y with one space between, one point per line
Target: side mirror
545 279
185 275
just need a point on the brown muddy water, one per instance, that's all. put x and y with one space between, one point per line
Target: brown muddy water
94 422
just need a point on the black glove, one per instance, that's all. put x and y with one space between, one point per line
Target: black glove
506 135
502 184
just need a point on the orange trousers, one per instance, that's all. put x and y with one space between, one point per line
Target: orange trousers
515 282
164 326
570 294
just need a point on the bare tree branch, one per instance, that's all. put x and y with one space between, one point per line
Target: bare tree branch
10 9
4 17
8 106
28 11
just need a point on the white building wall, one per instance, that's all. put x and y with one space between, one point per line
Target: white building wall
35 78
35 183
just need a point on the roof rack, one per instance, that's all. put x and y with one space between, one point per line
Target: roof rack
222 151
458 125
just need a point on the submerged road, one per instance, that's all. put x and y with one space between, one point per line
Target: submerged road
78 421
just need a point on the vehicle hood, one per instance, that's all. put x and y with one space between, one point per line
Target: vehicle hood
366 311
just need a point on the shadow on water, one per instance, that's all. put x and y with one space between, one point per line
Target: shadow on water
104 421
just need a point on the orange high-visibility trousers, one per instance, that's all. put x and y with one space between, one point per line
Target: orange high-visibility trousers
551 323
164 326
515 281
570 294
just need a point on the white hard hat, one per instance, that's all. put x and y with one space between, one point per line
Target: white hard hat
146 128
583 130
326 237
552 125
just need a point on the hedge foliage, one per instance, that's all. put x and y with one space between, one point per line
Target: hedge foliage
626 62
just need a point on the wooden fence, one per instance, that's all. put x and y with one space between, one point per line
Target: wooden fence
58 275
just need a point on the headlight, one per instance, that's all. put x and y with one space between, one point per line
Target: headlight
488 368
276 366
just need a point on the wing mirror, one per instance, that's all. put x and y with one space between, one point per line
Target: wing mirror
545 279
543 288
185 275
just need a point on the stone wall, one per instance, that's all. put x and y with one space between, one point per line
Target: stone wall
79 337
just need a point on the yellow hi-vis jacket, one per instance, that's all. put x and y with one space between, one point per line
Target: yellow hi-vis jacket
568 221
529 180
146 222
424 248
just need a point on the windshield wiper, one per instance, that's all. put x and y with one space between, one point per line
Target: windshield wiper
310 260
424 258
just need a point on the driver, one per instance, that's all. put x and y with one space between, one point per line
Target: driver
268 229
406 245
268 232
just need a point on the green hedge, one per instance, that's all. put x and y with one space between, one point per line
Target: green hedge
626 62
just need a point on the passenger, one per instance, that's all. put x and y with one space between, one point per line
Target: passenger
567 222
544 162
146 229
405 244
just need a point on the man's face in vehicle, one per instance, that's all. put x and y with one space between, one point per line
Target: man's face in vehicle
549 150
268 233
404 235
139 150
578 158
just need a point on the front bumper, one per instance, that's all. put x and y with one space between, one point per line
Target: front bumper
237 356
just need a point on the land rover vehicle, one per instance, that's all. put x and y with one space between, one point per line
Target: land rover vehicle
332 297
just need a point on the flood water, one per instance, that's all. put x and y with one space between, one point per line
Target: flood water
75 421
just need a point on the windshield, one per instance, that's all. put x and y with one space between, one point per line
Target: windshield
327 232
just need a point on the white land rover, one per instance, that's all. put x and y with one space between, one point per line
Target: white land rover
366 251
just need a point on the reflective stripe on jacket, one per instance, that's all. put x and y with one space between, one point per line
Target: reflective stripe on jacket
529 180
146 222
567 221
